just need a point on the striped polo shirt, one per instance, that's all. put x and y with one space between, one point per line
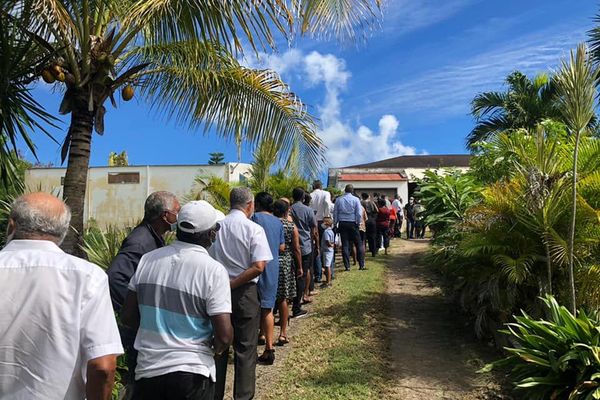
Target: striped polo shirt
179 287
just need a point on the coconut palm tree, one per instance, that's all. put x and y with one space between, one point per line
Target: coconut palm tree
576 85
180 55
524 104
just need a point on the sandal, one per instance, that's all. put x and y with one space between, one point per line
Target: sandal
267 358
282 340
306 301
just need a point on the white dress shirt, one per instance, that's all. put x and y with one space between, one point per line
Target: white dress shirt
55 316
240 242
320 201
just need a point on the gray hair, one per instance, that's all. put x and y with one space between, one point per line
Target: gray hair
240 197
157 203
31 221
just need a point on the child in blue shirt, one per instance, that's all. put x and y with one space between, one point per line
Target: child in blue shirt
327 244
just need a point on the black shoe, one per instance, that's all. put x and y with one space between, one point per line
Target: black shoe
300 314
267 358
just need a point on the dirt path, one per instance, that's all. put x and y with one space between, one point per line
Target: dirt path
434 353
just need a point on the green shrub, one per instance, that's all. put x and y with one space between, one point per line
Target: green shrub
557 358
102 246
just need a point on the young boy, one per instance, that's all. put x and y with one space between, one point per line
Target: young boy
327 244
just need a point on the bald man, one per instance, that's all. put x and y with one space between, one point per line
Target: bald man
58 333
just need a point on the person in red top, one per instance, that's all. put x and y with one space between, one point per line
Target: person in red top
383 225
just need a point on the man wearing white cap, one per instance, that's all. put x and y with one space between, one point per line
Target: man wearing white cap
180 299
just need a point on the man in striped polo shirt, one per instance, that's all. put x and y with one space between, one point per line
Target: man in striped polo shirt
180 299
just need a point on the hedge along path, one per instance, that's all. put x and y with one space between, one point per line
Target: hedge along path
434 352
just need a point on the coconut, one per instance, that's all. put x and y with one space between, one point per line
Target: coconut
47 76
127 93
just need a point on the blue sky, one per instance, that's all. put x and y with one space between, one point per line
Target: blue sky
405 91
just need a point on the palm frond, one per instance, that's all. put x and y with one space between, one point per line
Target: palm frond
20 114
202 85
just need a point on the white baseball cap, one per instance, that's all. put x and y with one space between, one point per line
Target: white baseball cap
198 216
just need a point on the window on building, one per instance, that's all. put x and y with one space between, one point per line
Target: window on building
123 177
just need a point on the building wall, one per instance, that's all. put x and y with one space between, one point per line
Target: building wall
122 204
389 188
419 173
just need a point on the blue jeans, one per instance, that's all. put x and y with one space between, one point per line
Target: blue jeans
317 267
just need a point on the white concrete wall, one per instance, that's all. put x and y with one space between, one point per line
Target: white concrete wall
419 173
122 204
390 188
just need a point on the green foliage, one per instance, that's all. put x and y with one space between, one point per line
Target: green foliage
446 195
102 246
216 158
511 244
524 104
211 188
118 160
23 55
554 358
281 184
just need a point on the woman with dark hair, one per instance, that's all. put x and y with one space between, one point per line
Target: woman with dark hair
286 290
383 225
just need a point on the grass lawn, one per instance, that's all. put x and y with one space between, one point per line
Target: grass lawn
340 350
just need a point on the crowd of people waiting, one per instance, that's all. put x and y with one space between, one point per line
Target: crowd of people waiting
180 306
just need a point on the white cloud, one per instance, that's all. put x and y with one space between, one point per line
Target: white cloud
405 16
449 90
345 144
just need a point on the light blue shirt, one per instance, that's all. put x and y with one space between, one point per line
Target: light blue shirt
347 209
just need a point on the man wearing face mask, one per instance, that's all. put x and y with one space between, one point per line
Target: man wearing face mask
160 216
181 301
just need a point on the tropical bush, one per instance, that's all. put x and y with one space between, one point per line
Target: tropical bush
509 245
554 358
101 246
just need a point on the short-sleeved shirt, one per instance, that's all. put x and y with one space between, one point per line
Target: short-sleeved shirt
410 211
328 236
320 201
305 220
392 214
274 232
178 287
55 316
383 217
269 279
240 242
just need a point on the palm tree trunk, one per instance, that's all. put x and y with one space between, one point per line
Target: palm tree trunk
573 304
76 176
548 269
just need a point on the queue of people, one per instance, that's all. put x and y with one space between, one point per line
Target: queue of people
180 306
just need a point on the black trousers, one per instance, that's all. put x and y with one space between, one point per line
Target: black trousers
349 234
175 386
301 282
245 318
371 236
